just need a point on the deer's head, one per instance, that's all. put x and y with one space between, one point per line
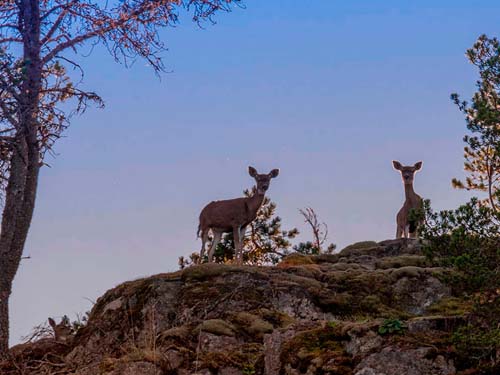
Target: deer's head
62 331
263 180
407 172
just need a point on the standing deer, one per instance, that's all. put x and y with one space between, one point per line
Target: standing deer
233 215
407 227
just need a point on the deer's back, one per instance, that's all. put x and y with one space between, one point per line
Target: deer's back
224 214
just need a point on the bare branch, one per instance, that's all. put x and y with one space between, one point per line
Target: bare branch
54 27
10 40
320 230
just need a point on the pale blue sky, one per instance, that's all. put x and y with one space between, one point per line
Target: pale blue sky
328 91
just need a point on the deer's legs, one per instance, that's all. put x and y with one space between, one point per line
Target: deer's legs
204 239
406 231
215 242
399 231
237 245
242 234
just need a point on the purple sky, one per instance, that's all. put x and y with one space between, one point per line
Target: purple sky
328 91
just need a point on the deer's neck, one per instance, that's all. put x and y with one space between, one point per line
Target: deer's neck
410 194
254 203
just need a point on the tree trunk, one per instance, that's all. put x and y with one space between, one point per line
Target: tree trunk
24 166
4 323
9 257
17 215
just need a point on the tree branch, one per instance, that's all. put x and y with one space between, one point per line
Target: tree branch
11 39
54 27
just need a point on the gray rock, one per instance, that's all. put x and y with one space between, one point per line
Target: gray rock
215 343
173 358
135 368
362 343
395 361
229 371
113 305
272 349
416 294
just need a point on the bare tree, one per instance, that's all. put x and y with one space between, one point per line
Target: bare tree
319 231
38 42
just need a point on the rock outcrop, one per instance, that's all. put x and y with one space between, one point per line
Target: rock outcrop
326 314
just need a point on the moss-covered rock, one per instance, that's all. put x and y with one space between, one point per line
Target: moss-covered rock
217 327
295 260
363 245
310 315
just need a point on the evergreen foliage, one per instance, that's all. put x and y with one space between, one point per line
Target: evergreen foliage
467 241
482 115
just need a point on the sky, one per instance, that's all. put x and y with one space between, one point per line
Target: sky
328 91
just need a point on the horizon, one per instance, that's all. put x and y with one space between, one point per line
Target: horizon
330 95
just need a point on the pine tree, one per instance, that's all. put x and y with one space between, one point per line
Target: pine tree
482 150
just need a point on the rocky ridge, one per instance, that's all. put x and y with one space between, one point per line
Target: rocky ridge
372 309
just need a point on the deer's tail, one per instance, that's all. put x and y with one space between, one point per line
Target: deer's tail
199 231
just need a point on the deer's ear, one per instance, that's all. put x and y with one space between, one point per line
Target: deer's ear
418 166
52 323
252 171
274 173
397 165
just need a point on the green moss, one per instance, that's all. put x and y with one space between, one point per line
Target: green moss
451 306
321 346
407 271
207 270
305 282
276 318
249 357
252 324
260 327
310 271
363 245
339 303
295 260
316 340
403 261
107 365
325 258
217 327
347 267
182 333
371 303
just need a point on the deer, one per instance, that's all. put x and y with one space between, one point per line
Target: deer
63 332
233 215
405 226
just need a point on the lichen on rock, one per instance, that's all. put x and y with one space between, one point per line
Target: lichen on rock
309 315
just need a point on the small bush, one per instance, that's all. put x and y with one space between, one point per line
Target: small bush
390 326
468 240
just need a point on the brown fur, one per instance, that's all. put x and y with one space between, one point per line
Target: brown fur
233 215
405 227
62 331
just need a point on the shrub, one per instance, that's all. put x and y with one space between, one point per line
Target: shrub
390 326
468 240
